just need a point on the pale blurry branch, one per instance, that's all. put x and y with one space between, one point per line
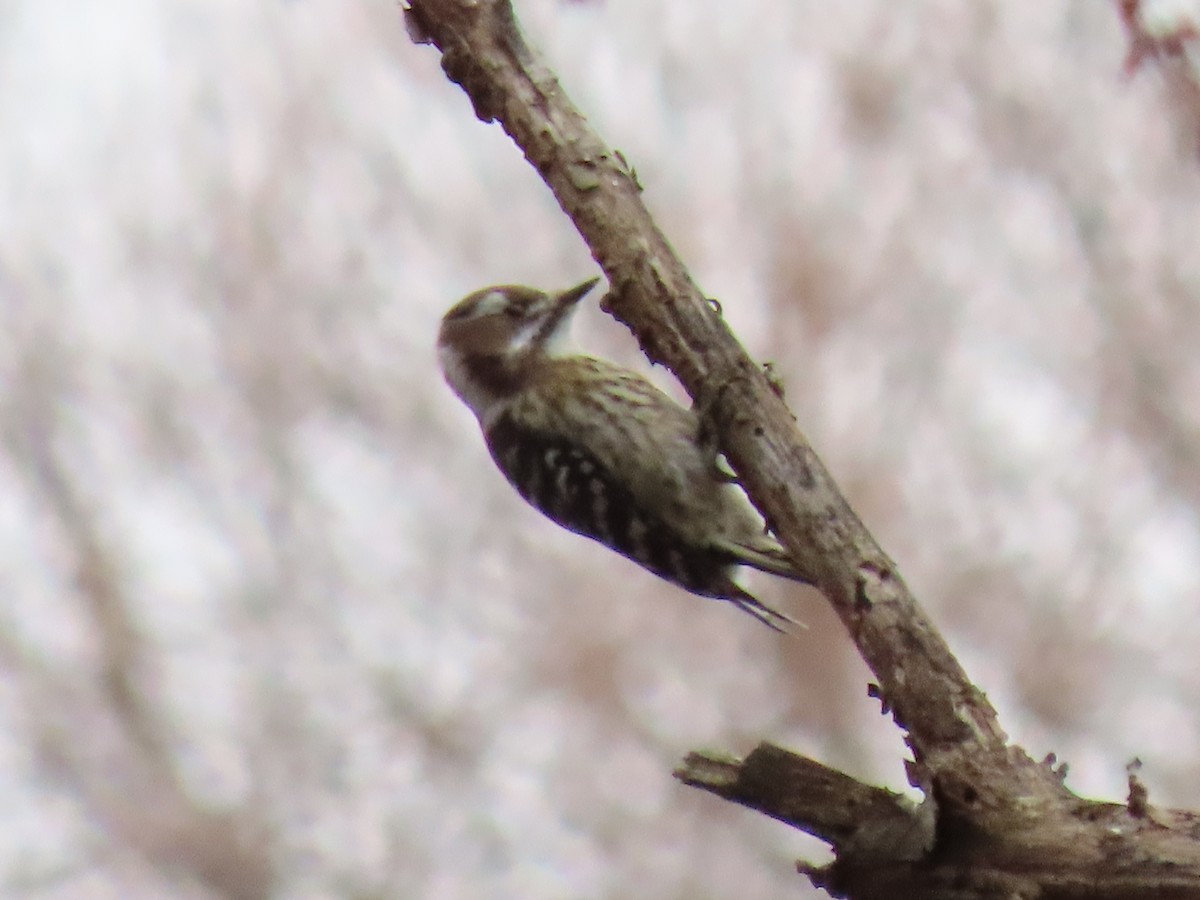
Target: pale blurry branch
107 739
1005 825
28 433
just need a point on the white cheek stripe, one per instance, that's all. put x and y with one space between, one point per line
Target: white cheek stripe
523 337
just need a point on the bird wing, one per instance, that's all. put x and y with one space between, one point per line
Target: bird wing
638 454
628 424
572 486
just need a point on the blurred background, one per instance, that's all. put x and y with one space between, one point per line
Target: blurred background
271 623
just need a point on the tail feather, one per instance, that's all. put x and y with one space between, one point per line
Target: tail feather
772 618
766 557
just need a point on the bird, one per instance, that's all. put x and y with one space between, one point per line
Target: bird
600 450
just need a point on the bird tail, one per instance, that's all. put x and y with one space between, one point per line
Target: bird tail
769 616
766 557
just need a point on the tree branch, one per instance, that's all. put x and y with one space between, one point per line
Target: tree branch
822 801
1005 825
651 292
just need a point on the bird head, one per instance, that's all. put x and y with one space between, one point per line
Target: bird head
489 338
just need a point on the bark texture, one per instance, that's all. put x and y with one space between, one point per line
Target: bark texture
996 823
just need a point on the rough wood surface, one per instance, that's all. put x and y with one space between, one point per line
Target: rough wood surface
996 823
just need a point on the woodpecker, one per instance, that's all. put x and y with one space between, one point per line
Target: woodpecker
599 449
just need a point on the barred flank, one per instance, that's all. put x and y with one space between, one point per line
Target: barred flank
571 487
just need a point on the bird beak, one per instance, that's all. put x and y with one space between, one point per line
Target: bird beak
561 305
571 296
